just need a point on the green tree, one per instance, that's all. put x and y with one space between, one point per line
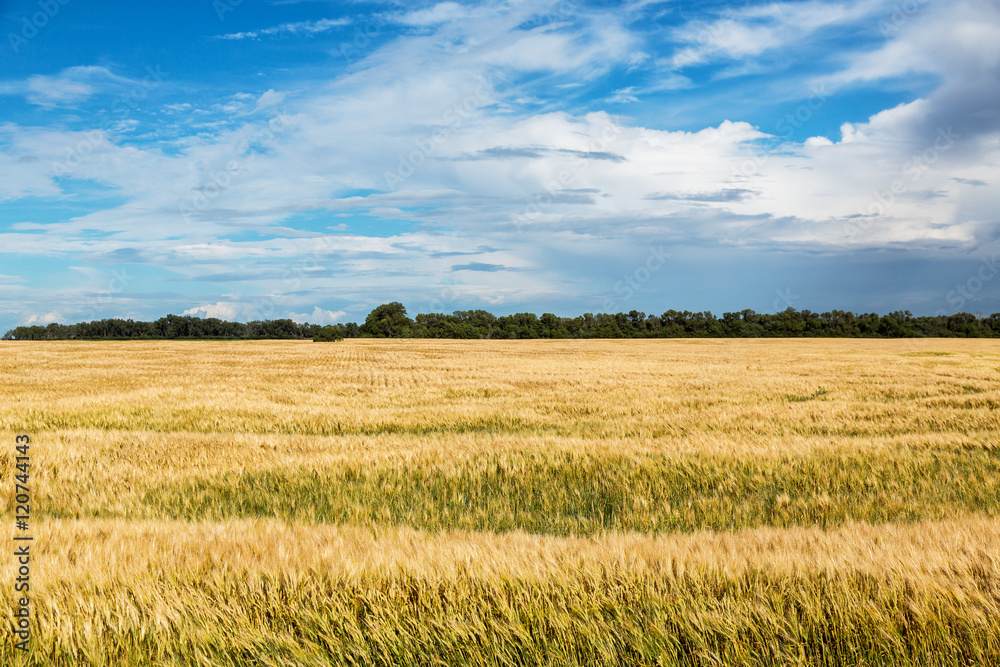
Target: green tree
329 334
387 321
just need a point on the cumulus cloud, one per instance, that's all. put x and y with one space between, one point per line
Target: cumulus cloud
957 42
319 316
221 310
43 319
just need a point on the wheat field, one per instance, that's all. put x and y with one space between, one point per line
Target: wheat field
414 502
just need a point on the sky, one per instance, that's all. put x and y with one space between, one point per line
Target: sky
246 159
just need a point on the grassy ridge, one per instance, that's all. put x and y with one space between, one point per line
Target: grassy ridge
584 494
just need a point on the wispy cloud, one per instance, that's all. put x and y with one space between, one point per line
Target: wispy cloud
296 28
753 30
440 13
71 86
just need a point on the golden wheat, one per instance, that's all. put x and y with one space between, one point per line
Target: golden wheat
127 435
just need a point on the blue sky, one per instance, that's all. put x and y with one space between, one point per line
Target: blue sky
308 159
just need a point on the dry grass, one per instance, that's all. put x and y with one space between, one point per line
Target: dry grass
792 434
755 392
926 552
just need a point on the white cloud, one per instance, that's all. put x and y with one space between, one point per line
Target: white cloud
43 319
319 316
623 96
439 13
69 87
752 30
296 28
23 173
547 49
47 91
221 310
269 99
954 40
959 43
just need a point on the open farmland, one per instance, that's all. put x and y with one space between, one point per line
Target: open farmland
661 502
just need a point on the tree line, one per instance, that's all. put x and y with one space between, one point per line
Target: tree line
390 320
169 327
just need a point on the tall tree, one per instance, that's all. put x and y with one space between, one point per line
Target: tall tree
387 321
